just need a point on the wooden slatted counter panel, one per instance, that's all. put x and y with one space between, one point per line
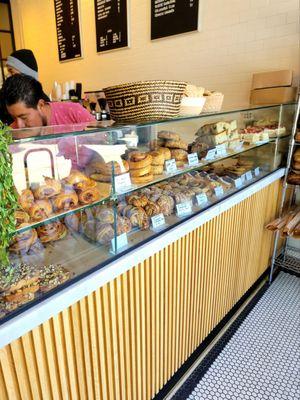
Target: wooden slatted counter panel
125 340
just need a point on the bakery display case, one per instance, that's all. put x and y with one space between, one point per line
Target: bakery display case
89 193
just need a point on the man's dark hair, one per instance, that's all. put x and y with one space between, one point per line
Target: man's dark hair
23 88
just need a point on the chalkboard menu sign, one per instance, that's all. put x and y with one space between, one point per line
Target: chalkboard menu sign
171 17
111 24
67 28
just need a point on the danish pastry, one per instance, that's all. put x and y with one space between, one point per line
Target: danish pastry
158 158
90 195
139 160
65 200
21 217
137 200
51 232
141 171
142 179
76 177
152 209
26 199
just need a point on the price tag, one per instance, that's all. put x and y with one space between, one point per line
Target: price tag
238 183
219 191
193 159
158 221
121 242
257 171
170 166
243 178
201 199
122 182
221 150
211 154
249 176
184 209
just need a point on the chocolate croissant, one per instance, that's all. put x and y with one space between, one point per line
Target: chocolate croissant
89 195
41 209
49 189
66 200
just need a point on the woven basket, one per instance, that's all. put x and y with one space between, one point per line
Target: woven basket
213 102
145 101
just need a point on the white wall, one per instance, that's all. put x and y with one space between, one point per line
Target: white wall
239 37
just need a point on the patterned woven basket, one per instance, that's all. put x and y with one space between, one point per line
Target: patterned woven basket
145 101
213 102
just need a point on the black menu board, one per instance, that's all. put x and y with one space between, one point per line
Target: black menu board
171 17
111 24
67 28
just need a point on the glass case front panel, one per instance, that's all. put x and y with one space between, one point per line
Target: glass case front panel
88 194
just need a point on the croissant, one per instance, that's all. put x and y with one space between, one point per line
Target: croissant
23 241
73 221
40 210
66 200
90 195
49 189
26 199
21 217
76 177
51 232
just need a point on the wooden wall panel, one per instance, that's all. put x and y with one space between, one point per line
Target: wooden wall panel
125 340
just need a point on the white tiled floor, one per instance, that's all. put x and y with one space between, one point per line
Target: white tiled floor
262 359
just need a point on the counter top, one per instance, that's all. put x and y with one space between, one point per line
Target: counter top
41 312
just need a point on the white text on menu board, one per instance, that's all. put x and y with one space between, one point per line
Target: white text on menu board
165 7
103 11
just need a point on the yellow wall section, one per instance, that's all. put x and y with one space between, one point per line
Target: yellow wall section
239 37
125 340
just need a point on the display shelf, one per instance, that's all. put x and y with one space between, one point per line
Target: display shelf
60 215
290 261
183 170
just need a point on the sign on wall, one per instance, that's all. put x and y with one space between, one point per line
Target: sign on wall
67 29
172 17
111 24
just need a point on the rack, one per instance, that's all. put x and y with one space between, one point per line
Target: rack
289 257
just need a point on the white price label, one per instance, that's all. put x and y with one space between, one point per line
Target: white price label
158 221
243 178
211 154
121 241
221 150
257 171
201 199
184 209
171 166
238 183
193 159
122 182
219 191
249 176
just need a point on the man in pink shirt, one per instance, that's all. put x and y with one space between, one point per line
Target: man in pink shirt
25 101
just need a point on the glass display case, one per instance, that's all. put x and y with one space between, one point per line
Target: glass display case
89 193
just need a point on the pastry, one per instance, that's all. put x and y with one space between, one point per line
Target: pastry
168 135
200 148
141 171
87 184
104 233
104 215
139 160
26 199
123 225
154 144
52 232
180 164
142 179
157 169
101 177
49 189
296 165
137 216
165 151
176 144
66 200
89 195
52 276
21 217
41 209
297 137
75 178
18 276
181 198
157 158
72 221
22 242
108 168
166 204
137 200
296 156
179 155
293 179
152 208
